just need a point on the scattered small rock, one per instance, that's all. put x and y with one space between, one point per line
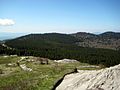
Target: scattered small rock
25 68
11 65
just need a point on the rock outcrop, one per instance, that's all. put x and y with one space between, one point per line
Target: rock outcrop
104 79
66 61
25 68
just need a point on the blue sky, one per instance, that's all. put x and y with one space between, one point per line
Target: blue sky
62 16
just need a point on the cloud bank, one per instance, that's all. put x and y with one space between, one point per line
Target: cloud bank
6 22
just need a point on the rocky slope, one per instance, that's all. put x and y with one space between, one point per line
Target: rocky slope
104 79
109 40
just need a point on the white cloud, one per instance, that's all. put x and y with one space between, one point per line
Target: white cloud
6 22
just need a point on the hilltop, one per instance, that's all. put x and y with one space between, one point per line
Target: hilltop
47 40
104 79
108 40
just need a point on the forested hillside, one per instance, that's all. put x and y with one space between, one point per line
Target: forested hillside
38 41
108 40
58 46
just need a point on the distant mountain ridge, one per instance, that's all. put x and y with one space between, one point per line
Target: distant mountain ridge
109 40
109 35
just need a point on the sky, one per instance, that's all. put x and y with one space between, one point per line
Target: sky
61 16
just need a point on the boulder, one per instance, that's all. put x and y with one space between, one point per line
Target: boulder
104 79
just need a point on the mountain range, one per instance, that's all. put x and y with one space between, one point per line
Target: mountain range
107 40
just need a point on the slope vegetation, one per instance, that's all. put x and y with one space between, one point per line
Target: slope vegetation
108 40
59 46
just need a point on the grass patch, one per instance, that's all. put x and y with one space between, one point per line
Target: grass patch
43 77
8 59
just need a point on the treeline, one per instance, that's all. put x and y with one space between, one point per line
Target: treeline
87 55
